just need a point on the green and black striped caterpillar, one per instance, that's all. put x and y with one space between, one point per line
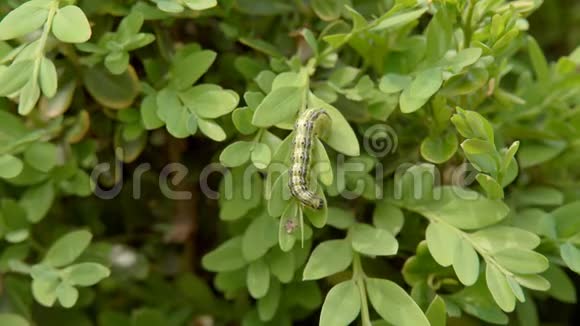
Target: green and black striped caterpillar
310 124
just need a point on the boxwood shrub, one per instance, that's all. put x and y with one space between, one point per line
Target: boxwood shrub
146 151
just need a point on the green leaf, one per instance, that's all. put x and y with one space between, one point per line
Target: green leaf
236 153
394 83
337 40
340 218
465 83
388 217
10 166
527 313
540 196
281 264
288 223
343 76
15 77
477 146
372 241
496 238
15 224
264 80
442 241
280 105
322 165
149 115
22 20
249 67
210 104
200 4
68 248
327 10
317 216
48 78
29 95
44 272
521 261
531 281
567 219
258 279
329 257
231 281
477 301
342 305
416 184
261 155
539 61
86 274
481 154
70 25
130 25
561 286
61 102
253 99
242 118
114 91
169 6
268 305
117 62
531 154
310 39
211 129
279 195
138 41
471 124
37 201
41 156
439 149
466 263
285 79
420 90
436 313
398 19
261 46
12 320
499 288
227 257
259 237
67 295
462 59
176 115
571 256
516 288
463 208
44 292
12 254
492 188
187 70
393 304
341 136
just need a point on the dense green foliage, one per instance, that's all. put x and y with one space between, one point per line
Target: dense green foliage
145 144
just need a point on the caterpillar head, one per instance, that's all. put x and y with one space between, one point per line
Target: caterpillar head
318 203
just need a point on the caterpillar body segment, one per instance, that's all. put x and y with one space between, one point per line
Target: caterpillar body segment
310 124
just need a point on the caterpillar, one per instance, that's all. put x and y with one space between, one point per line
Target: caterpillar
310 124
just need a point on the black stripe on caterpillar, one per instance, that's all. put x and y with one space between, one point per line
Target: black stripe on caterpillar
310 124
